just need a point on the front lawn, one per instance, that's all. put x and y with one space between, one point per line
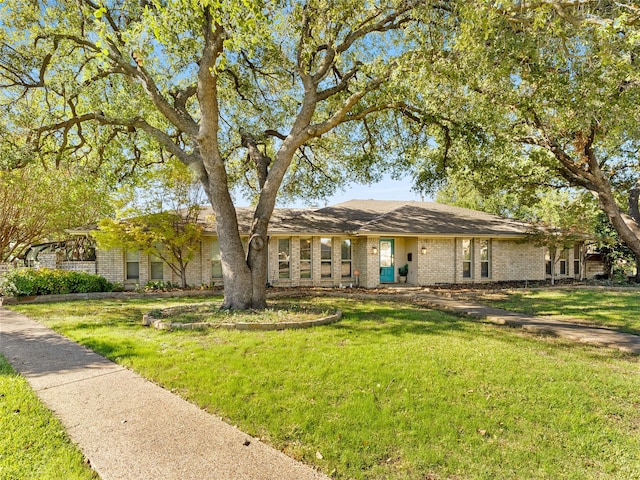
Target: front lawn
33 443
615 308
392 391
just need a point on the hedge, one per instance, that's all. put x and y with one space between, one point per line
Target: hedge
45 281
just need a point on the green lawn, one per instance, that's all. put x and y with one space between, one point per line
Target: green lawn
618 309
391 391
33 444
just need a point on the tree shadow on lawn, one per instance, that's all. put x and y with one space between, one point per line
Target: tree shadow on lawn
404 321
116 352
582 307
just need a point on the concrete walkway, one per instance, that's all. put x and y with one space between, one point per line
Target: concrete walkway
573 331
128 427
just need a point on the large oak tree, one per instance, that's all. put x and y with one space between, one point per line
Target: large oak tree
279 96
553 89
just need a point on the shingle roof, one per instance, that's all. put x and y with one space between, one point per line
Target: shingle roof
365 217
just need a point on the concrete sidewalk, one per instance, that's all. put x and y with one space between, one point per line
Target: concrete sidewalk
573 331
128 427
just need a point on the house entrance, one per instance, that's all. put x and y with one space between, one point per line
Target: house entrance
386 260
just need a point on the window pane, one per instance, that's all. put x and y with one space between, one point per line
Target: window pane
283 269
466 250
325 248
283 247
325 269
216 264
484 269
466 269
283 258
484 250
216 269
133 270
345 249
346 269
133 256
157 271
215 249
576 267
305 249
386 253
305 269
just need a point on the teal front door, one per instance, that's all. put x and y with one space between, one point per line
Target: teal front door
386 261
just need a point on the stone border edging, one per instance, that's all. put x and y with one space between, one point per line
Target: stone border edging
154 318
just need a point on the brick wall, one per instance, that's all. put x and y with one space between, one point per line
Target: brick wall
110 264
360 259
509 260
48 260
441 262
438 263
515 260
87 267
371 276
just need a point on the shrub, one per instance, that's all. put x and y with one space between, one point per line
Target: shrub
28 281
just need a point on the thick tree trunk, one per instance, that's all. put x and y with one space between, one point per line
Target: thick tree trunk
258 263
235 271
628 229
244 275
595 180
634 212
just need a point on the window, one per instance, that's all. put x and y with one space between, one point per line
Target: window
156 268
485 258
467 258
325 257
133 265
284 258
548 263
345 256
305 257
216 263
576 259
563 262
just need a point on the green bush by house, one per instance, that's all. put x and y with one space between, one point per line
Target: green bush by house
28 281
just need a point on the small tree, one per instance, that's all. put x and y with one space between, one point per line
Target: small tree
171 236
558 222
38 205
556 240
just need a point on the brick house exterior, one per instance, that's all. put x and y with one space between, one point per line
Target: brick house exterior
364 242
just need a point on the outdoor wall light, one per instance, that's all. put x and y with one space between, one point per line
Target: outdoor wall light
374 250
423 250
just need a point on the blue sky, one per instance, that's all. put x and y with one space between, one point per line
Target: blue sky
387 189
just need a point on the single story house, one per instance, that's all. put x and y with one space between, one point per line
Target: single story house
364 243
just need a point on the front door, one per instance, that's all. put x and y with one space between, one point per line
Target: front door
386 261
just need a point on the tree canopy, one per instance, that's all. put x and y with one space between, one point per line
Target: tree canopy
159 217
552 89
291 98
278 96
38 205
